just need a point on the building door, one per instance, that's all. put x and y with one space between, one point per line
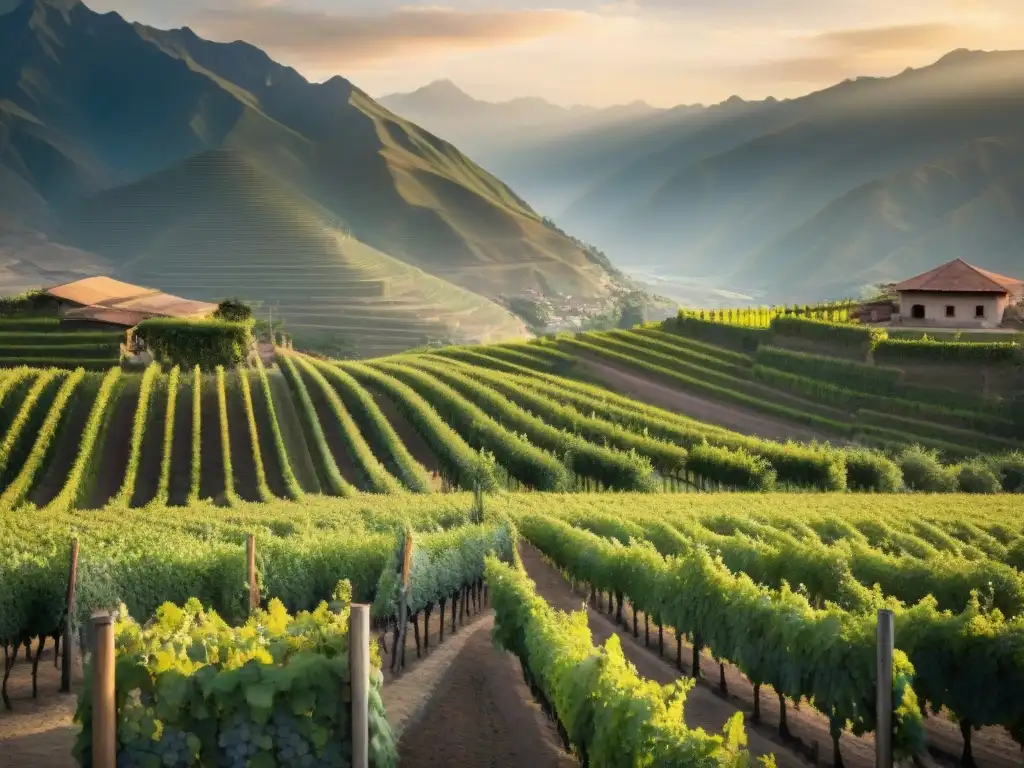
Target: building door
917 311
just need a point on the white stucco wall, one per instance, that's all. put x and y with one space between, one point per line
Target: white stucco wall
964 305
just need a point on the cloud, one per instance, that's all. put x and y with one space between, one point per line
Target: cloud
901 37
321 38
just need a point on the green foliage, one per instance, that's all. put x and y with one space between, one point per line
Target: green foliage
203 343
463 465
28 304
225 438
164 484
609 714
976 476
373 475
838 335
735 337
759 630
376 427
76 483
41 383
291 483
141 418
197 436
27 475
192 690
233 311
868 470
327 468
530 464
262 488
923 471
844 373
1010 471
930 351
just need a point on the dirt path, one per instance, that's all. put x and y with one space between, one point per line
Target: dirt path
211 475
115 446
413 440
648 390
291 432
39 732
332 431
481 714
65 447
181 444
148 480
243 465
271 461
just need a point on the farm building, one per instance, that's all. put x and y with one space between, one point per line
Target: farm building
108 302
957 295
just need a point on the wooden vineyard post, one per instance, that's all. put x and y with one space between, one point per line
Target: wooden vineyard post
883 704
403 607
104 714
359 673
68 651
254 587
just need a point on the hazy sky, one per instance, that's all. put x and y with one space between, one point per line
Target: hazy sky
586 51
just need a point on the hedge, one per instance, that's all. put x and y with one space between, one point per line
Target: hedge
846 373
206 343
844 335
949 352
736 337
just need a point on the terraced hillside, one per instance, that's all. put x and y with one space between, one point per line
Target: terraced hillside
218 225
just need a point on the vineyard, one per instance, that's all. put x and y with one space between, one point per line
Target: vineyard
522 478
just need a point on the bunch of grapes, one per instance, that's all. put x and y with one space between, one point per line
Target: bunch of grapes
292 746
172 748
236 741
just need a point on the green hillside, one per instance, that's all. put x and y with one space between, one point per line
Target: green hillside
89 103
216 225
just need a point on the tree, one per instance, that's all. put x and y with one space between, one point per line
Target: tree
233 310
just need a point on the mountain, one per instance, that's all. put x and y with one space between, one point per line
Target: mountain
549 153
94 110
970 204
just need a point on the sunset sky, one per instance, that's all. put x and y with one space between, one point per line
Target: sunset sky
665 52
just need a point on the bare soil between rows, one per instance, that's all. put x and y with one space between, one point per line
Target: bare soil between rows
268 451
148 480
211 474
243 463
66 445
412 439
624 381
114 447
181 444
333 430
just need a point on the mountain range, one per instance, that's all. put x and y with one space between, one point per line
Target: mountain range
215 170
870 180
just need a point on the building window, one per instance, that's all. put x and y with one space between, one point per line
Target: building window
979 311
917 311
950 310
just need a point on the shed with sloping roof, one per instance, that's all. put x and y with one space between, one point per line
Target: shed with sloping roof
106 301
957 295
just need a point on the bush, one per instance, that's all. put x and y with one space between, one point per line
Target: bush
190 343
868 470
1010 471
976 476
234 311
922 471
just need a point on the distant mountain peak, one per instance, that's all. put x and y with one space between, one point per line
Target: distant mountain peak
958 55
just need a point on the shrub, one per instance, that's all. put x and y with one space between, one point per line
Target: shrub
1010 471
203 343
844 335
976 476
922 471
234 311
737 337
868 470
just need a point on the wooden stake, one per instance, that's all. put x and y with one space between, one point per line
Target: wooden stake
254 587
104 712
359 669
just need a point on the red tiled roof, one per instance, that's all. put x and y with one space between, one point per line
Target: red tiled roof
961 277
